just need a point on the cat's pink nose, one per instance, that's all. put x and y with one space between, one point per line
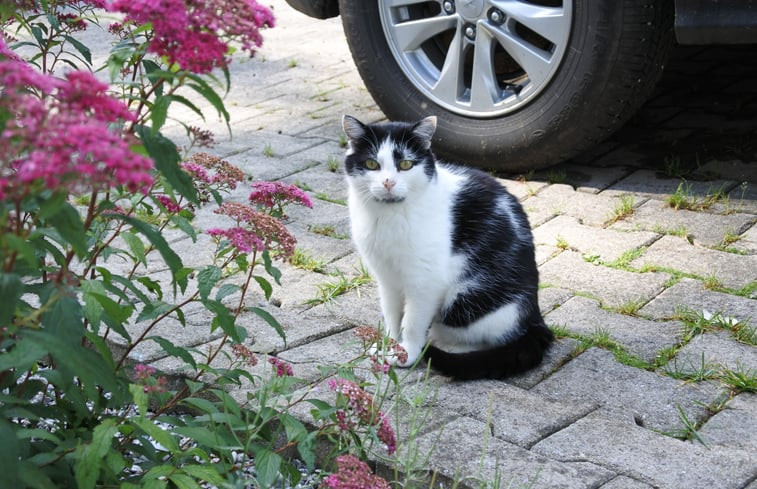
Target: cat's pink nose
389 184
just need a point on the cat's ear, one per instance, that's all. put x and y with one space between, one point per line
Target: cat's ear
353 128
424 130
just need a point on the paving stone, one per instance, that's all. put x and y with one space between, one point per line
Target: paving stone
623 482
558 354
734 425
718 349
569 270
522 189
704 228
651 184
747 242
329 351
607 244
690 295
641 337
559 199
733 170
506 408
732 270
647 456
629 393
551 297
471 457
592 179
543 253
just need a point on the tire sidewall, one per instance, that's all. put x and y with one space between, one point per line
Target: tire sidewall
539 133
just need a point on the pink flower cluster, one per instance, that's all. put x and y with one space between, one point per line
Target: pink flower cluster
195 33
242 352
143 374
273 196
60 135
282 368
353 473
171 206
255 230
360 404
213 171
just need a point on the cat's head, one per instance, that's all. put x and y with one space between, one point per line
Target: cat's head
389 162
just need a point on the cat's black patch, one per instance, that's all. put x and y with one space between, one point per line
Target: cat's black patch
491 230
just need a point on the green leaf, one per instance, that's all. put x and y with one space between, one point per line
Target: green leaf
226 290
83 49
159 113
166 157
24 249
207 278
267 464
156 239
166 439
272 271
184 101
265 285
201 87
9 454
205 473
223 319
67 221
174 350
202 404
136 246
267 317
11 289
155 74
22 356
140 398
183 481
89 457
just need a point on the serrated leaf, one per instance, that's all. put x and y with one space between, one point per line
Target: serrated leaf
226 290
166 439
267 464
166 158
11 289
88 457
268 318
174 350
205 473
67 221
272 270
82 48
136 246
207 278
159 112
265 286
223 319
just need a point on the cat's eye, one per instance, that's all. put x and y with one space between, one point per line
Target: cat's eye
406 165
371 164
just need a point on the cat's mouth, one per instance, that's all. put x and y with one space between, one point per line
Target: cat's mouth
390 199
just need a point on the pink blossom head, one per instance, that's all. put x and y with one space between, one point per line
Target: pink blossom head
353 473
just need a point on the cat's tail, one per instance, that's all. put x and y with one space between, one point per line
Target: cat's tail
519 355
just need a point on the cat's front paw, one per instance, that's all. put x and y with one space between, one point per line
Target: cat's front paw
405 355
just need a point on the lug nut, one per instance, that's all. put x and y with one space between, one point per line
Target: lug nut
470 32
496 16
449 7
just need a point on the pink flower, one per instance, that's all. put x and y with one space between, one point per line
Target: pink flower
353 473
282 368
195 34
276 195
244 353
242 239
171 206
143 372
62 134
360 403
271 231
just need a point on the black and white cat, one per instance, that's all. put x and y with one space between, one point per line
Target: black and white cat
450 249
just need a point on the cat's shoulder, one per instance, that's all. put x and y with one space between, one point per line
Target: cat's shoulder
471 179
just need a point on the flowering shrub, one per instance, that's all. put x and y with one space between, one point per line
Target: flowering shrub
88 188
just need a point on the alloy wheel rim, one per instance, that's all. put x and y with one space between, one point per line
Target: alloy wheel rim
478 58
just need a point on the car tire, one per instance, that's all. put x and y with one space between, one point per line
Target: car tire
612 56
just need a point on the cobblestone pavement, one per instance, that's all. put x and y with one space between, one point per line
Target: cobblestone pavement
647 248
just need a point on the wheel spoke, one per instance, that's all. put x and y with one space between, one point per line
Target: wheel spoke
535 62
484 87
549 22
410 35
450 83
402 3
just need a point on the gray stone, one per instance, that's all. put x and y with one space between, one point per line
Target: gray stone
559 353
690 295
476 455
653 185
677 253
507 409
607 244
569 270
641 337
552 297
327 352
522 189
717 349
747 242
704 228
623 482
630 394
559 199
649 457
734 425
